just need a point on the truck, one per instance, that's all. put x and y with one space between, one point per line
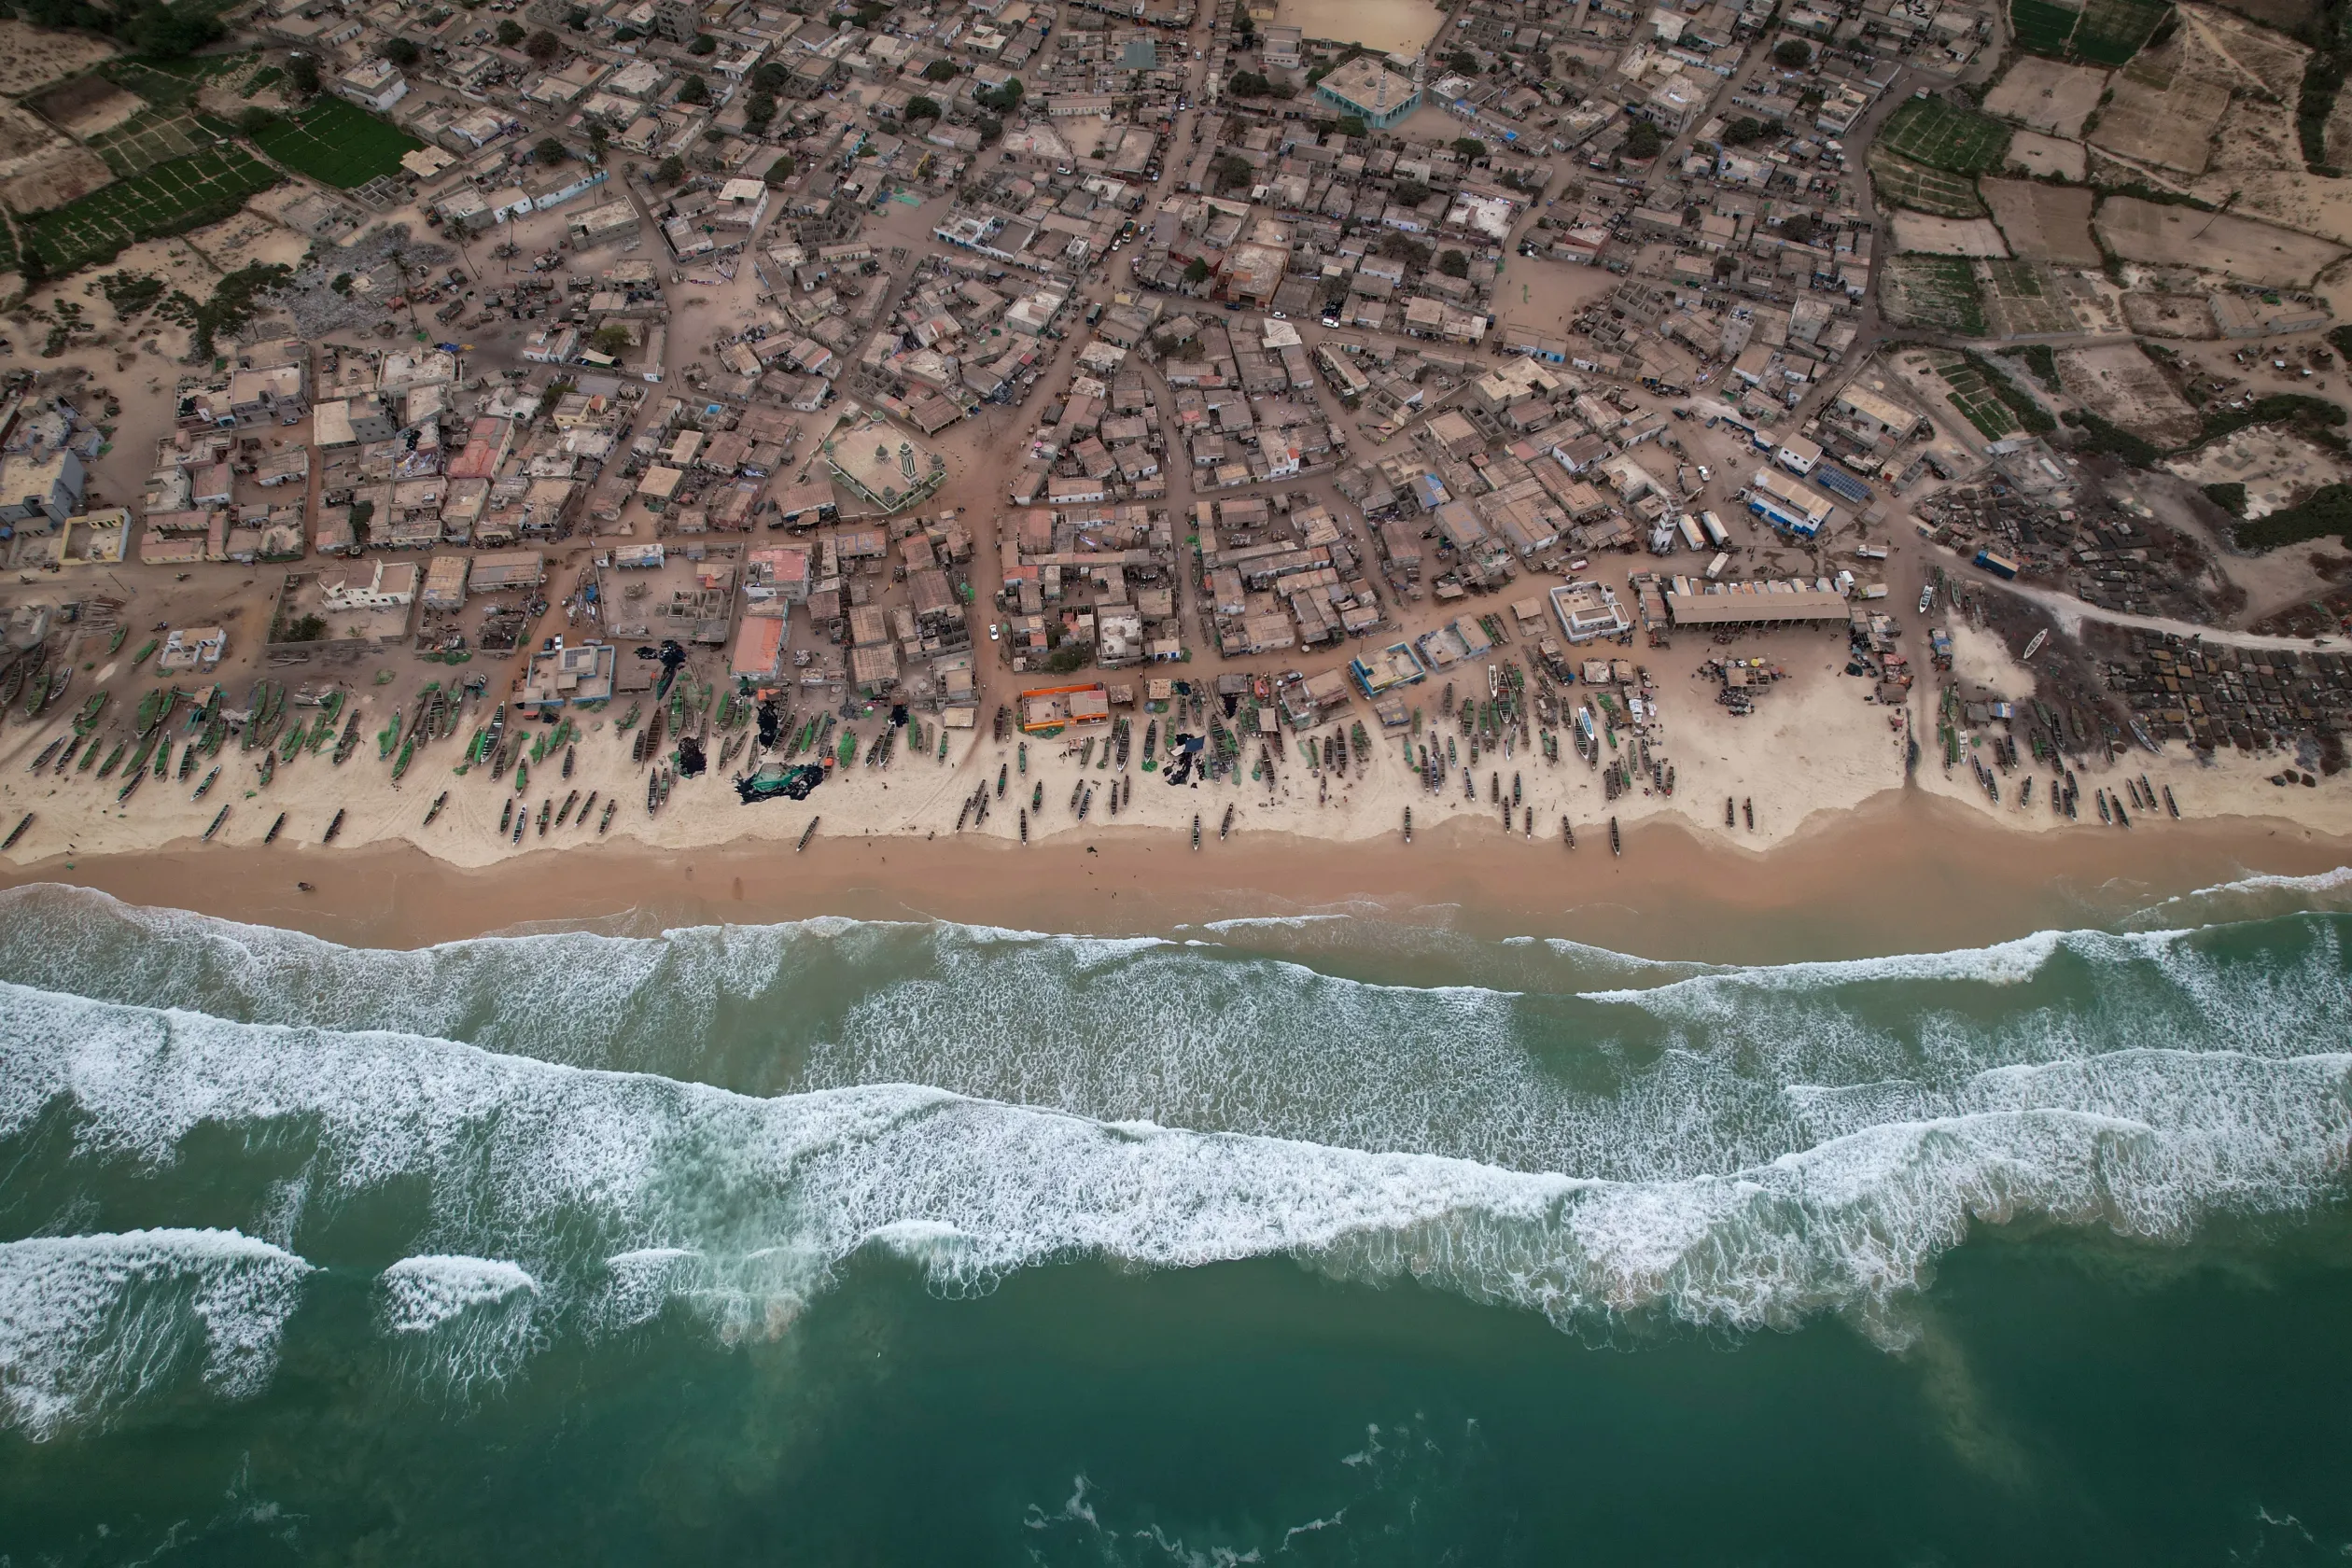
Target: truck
2000 565
1716 534
1715 567
1692 538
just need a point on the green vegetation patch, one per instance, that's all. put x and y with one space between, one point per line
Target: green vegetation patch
1903 183
2041 27
1934 291
1932 131
2113 31
2326 511
171 198
338 142
2042 360
152 136
1975 393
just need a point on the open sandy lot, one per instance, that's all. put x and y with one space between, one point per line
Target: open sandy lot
2170 315
1948 236
2044 222
2045 96
2273 464
2037 154
2169 237
88 106
31 58
2121 385
54 176
2172 128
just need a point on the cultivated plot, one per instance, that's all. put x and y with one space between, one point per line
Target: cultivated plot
169 199
1941 135
1938 292
2044 222
338 144
1901 183
2047 94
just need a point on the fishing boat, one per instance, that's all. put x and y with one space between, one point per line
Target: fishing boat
333 828
605 820
563 815
349 741
269 767
547 813
218 817
1616 844
1730 815
47 752
2104 816
131 785
205 788
1001 776
1196 833
1224 830
2169 804
571 754
434 810
1025 824
1567 834
522 820
506 816
188 762
16 832
806 833
1037 796
586 806
2122 820
1408 824
653 791
271 837
87 719
1747 808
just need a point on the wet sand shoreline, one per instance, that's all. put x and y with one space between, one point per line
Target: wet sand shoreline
1905 871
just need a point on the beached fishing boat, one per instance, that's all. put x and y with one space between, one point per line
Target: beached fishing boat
547 814
806 833
571 755
2104 816
434 810
271 837
333 828
87 719
1224 829
1617 843
586 806
2169 804
218 817
563 815
1567 834
16 832
1408 824
114 758
131 785
1025 824
349 741
1002 777
1196 833
47 752
1747 808
188 762
605 820
506 816
522 820
205 788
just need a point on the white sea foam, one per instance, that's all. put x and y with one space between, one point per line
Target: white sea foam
2004 963
718 1193
89 1325
460 1323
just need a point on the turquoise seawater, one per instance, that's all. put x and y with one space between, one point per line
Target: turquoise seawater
1326 1239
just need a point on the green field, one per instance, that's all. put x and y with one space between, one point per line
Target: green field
1934 291
152 136
1932 131
1903 183
339 144
2103 31
1977 402
2041 27
169 199
2113 31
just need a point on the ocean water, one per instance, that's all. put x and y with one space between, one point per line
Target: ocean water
1324 1240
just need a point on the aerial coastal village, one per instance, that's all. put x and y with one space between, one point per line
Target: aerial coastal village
509 426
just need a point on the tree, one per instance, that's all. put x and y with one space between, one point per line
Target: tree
301 70
362 513
1454 265
1196 271
704 44
1402 247
921 108
694 90
611 342
1409 194
1462 63
598 138
780 171
577 19
1248 84
770 79
1004 100
940 70
510 33
1747 130
672 170
402 53
1795 53
991 128
1643 141
163 33
1234 171
255 120
542 45
550 151
1470 147
1799 228
1352 125
757 111
33 267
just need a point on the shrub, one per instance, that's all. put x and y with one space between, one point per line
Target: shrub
510 33
1470 146
1795 53
1454 265
704 44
